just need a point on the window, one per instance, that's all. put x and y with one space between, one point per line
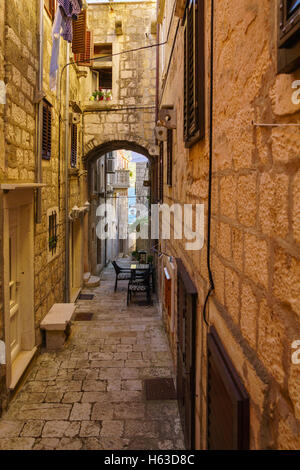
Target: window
50 7
52 231
47 126
105 78
288 35
194 90
169 156
103 50
74 145
161 172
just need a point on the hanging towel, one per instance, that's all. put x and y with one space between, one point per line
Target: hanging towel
55 48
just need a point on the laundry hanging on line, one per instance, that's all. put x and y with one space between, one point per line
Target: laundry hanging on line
67 11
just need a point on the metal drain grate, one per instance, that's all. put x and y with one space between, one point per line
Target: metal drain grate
84 316
160 389
85 297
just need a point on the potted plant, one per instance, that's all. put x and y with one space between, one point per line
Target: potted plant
135 255
107 95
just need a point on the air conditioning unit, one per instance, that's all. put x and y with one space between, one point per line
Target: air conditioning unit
75 118
110 165
167 116
161 133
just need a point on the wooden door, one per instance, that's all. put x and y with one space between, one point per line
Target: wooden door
14 285
186 344
227 401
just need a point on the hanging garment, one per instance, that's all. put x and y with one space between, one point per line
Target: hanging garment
55 48
62 26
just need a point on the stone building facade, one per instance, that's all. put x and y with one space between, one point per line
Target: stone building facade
255 219
33 188
130 115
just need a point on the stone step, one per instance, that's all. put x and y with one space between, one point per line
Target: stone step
86 277
94 281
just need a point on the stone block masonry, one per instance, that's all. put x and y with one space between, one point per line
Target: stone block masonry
133 76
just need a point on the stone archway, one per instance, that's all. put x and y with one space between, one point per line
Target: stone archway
94 152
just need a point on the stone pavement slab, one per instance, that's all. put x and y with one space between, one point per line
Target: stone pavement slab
90 394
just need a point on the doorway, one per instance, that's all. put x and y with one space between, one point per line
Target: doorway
18 283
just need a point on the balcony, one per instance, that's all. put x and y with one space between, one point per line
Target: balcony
121 179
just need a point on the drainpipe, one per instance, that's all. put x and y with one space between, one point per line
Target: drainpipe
105 200
67 221
38 166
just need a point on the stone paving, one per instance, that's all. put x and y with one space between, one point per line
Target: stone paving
90 394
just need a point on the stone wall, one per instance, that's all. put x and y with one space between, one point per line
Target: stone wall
133 76
20 50
255 216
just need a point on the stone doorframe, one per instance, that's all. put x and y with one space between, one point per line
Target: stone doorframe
16 199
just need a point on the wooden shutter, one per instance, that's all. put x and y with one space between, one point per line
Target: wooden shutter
46 131
194 90
74 146
50 7
227 401
86 57
169 156
161 172
186 351
79 34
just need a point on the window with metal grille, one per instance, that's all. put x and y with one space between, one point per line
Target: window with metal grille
74 145
52 232
161 172
194 90
288 35
46 133
50 7
169 156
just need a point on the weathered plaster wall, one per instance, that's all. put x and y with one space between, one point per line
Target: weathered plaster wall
256 220
133 75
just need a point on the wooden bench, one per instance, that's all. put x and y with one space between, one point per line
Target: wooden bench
57 324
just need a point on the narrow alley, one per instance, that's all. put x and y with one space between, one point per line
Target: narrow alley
150 225
90 395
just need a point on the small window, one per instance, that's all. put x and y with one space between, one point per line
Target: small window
105 78
74 145
288 35
194 87
104 51
47 128
169 156
50 7
52 231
